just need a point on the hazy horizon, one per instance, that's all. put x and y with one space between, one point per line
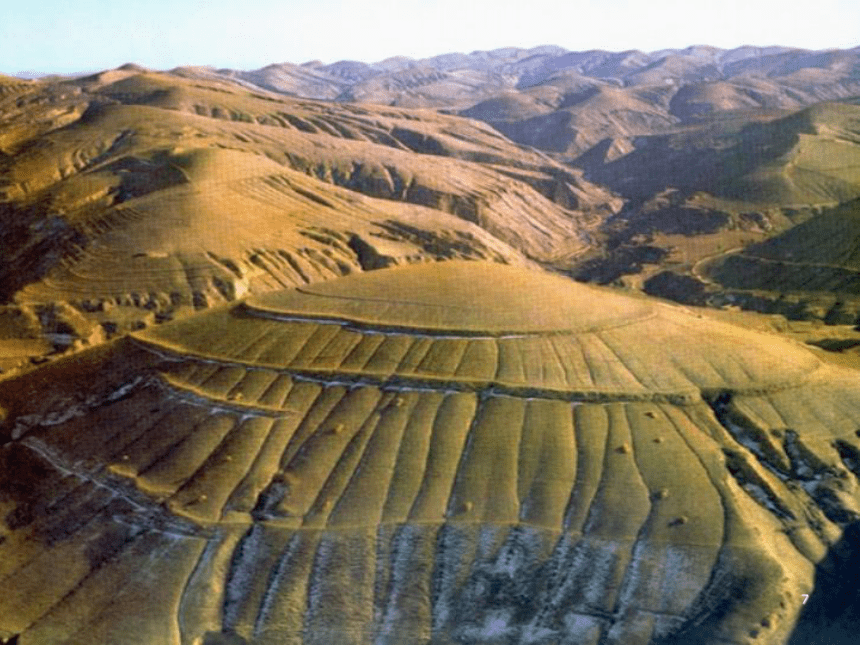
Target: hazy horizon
51 38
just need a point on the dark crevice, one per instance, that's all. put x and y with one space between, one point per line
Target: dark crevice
226 637
754 440
850 456
831 615
368 257
238 578
729 586
756 487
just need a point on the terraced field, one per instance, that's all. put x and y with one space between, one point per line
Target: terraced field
439 453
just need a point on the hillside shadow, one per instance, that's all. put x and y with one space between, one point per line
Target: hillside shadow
831 616
713 157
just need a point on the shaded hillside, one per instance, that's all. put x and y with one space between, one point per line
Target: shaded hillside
810 270
728 184
807 157
445 453
585 117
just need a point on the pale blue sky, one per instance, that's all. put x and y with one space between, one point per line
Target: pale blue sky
86 35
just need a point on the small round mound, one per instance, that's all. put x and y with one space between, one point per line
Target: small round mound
467 297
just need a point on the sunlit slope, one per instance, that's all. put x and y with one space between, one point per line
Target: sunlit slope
423 131
28 109
444 453
235 222
148 192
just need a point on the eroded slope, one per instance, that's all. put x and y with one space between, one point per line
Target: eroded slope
444 453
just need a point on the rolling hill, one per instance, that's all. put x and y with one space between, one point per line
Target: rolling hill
129 197
728 183
809 271
808 157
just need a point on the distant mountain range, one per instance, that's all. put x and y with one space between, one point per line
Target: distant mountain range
452 76
565 101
